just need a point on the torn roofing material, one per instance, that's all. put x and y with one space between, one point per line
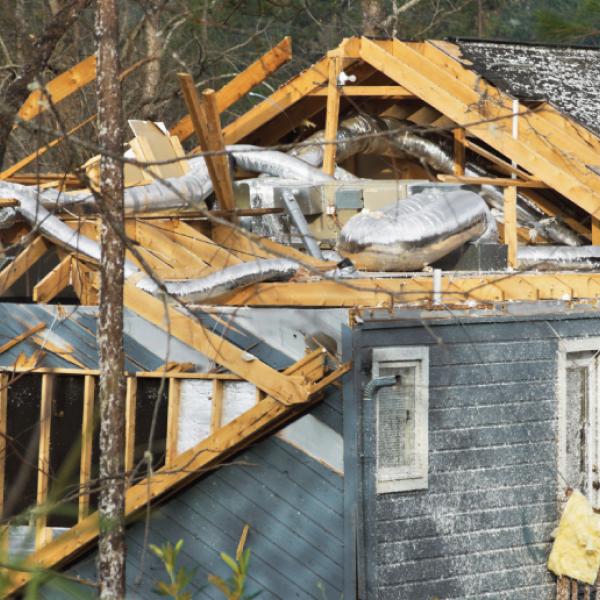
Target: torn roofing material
68 339
566 76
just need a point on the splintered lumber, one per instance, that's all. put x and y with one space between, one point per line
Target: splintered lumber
216 415
59 88
242 83
23 262
333 112
215 143
152 146
23 336
208 129
54 282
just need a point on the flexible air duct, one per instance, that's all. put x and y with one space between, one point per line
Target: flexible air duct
226 280
409 235
551 258
363 134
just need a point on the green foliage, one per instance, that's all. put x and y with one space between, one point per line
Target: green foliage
234 588
570 22
179 577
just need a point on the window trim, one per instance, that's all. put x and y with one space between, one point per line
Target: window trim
566 347
416 476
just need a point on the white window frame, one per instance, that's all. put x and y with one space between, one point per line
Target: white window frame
414 477
566 347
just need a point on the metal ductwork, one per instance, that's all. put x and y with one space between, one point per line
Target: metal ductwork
363 134
225 280
413 233
551 258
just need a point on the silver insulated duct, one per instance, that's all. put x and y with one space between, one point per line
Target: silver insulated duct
413 233
564 258
363 134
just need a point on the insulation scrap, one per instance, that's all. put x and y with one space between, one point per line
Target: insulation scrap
576 549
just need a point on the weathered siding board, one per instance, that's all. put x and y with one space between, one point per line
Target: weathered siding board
293 505
482 529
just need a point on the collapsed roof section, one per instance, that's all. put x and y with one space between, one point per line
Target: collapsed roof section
372 124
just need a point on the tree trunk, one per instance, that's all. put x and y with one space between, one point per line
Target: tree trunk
373 12
38 55
111 508
153 50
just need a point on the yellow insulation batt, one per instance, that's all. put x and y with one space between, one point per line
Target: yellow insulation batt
576 549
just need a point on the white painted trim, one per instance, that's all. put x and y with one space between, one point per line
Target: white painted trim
414 477
566 347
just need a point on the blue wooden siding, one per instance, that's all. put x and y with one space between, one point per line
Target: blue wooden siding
293 505
482 529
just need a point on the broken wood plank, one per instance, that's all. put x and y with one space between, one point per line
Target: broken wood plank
242 83
18 339
84 280
54 282
23 262
215 143
87 436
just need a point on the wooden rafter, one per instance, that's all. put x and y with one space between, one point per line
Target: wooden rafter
261 419
59 88
242 83
54 282
23 262
546 151
184 327
286 96
388 292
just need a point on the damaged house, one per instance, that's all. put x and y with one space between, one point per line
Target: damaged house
379 343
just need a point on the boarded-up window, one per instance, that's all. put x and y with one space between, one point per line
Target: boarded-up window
401 413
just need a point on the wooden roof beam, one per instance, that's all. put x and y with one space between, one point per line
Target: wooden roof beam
489 116
242 83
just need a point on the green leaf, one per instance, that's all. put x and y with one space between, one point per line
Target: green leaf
219 584
230 562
